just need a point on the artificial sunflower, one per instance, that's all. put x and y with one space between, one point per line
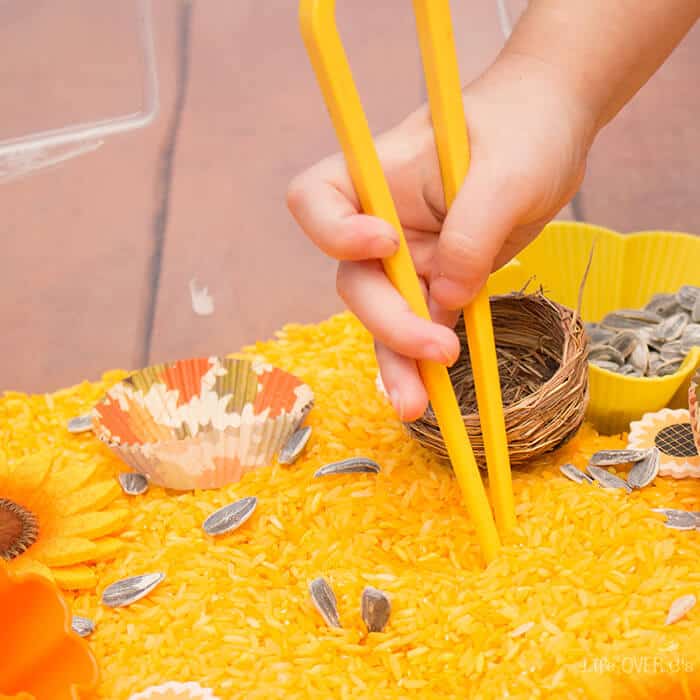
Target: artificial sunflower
670 431
53 519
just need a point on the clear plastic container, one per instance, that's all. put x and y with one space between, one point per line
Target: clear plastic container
51 115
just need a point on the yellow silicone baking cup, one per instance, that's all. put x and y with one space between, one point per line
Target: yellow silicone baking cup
626 271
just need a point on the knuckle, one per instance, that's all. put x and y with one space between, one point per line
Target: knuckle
296 194
343 282
461 253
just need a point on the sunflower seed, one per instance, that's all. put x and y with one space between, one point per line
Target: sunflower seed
639 358
668 368
133 483
664 305
82 626
129 590
625 342
630 318
680 608
687 296
671 351
630 371
598 335
609 366
695 313
678 514
655 362
607 354
324 599
80 424
611 458
681 520
655 345
671 328
690 338
376 609
570 471
645 471
294 446
354 465
608 480
230 517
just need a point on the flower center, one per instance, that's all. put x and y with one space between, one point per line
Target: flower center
676 440
19 529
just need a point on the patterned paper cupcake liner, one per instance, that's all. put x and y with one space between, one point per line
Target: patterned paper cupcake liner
175 691
693 401
201 423
671 432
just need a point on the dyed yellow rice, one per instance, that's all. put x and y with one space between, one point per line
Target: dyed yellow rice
594 570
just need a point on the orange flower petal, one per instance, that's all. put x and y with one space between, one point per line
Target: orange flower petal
30 472
68 478
75 577
107 548
25 564
93 525
92 497
65 551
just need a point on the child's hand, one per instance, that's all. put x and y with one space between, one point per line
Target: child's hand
529 139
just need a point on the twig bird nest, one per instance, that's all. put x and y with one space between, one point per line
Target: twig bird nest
541 349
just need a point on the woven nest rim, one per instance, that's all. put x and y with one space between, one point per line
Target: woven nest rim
550 339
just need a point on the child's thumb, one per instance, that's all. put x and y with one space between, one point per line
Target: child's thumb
477 225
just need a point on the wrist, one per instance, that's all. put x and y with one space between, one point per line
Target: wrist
542 86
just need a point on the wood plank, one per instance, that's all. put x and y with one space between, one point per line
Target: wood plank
253 119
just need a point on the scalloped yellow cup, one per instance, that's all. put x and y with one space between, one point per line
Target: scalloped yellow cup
626 271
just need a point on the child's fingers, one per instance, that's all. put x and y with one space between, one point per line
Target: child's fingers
402 382
331 220
367 291
477 225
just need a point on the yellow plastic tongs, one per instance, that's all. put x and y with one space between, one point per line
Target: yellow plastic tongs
333 73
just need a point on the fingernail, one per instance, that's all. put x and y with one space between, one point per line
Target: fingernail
383 246
449 293
396 402
437 353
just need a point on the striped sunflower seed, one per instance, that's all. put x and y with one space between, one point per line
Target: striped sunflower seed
603 364
606 353
681 520
133 483
687 296
354 465
612 458
376 609
575 474
295 445
608 480
129 590
625 342
324 600
639 358
664 305
645 471
671 328
82 626
230 517
690 338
